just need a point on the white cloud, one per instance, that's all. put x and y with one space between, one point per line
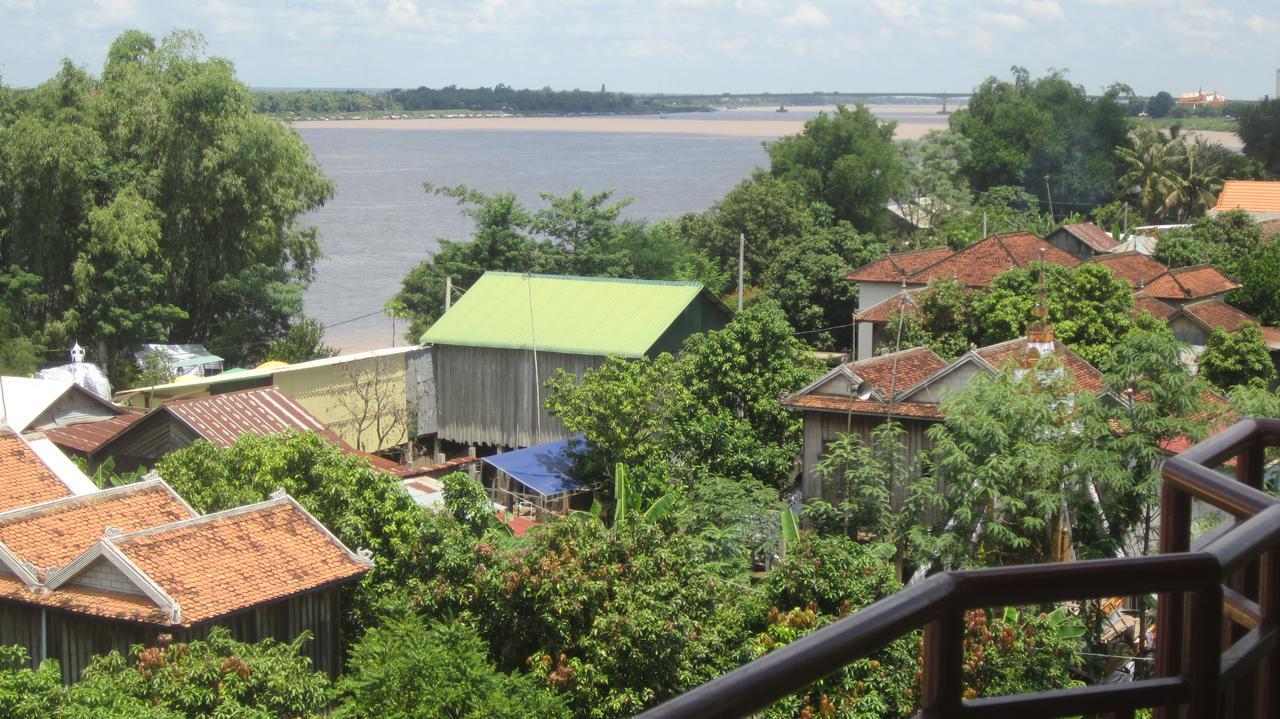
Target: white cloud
1044 9
100 13
1004 21
898 11
1262 26
807 15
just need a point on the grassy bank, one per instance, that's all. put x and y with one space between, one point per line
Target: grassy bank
1217 124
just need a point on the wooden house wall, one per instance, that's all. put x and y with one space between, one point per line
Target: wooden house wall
74 639
144 443
822 428
488 395
70 408
334 393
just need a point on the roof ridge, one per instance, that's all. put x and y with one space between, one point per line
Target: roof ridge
590 278
102 495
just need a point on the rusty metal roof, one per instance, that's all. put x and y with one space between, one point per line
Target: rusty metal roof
88 436
223 418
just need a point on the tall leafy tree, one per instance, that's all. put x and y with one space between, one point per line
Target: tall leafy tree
160 174
1044 135
1260 131
1236 358
847 160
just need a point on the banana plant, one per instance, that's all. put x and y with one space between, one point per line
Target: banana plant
627 501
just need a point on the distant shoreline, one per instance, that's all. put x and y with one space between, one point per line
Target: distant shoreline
924 118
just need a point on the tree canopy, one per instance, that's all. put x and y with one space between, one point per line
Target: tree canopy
152 203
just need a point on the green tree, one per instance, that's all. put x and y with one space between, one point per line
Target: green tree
26 692
217 676
847 160
158 177
1235 358
1160 104
366 508
408 667
715 409
304 342
933 175
1149 167
1041 135
1260 131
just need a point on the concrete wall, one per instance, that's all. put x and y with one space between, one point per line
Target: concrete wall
871 294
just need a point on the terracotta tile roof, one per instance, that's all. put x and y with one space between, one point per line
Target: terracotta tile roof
83 600
226 562
832 403
913 366
1190 283
897 267
1158 308
887 310
54 533
1084 375
1211 314
1137 268
978 264
87 436
1249 195
24 479
1091 235
222 418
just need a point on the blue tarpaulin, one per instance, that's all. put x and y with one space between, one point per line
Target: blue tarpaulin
546 469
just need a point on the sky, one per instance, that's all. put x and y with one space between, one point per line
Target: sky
679 46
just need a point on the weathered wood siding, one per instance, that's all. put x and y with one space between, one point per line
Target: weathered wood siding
419 387
143 445
489 395
702 315
74 639
822 428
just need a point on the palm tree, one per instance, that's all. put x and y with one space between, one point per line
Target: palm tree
1200 177
1150 173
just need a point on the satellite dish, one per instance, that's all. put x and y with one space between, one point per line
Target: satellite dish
862 390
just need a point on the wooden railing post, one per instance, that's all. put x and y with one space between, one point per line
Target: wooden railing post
1268 676
943 666
1202 657
1175 536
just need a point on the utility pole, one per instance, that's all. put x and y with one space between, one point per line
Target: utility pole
1050 194
984 225
448 293
742 248
1125 232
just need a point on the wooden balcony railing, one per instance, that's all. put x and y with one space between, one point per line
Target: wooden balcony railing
1217 617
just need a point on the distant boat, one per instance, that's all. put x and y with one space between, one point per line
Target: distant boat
781 108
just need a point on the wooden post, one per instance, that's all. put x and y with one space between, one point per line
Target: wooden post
943 657
448 293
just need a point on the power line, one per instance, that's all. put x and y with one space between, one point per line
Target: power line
823 329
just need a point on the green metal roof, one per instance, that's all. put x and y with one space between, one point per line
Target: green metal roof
575 315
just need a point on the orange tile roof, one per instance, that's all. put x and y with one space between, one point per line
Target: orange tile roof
831 403
1158 308
54 533
887 310
1084 375
1190 283
226 562
1137 268
1091 235
1212 314
978 264
1249 195
24 478
897 267
911 366
83 600
88 436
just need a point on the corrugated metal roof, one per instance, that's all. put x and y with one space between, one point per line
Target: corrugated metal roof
88 436
575 315
222 418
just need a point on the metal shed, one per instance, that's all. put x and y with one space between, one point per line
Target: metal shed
494 350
